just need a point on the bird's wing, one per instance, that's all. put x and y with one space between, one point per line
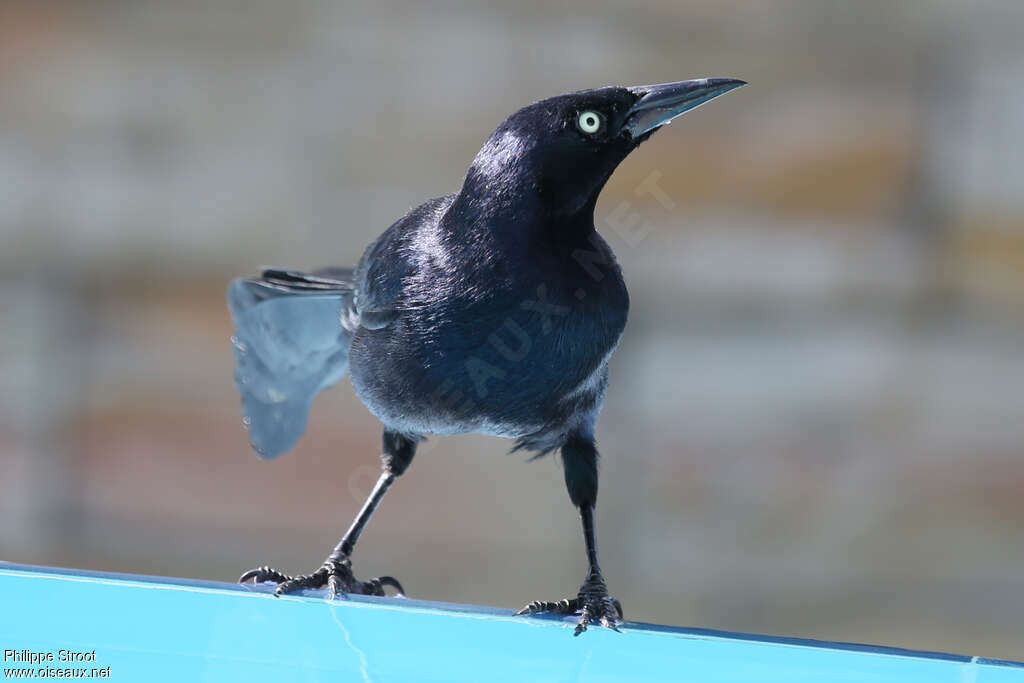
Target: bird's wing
388 262
379 282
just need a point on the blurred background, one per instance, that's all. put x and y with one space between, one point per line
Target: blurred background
815 425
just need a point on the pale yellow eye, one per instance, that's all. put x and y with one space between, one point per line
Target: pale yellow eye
589 122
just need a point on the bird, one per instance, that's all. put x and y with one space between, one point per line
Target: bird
492 310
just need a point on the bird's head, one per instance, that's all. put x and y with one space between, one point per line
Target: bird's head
558 153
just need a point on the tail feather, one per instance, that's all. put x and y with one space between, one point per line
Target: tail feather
289 345
325 280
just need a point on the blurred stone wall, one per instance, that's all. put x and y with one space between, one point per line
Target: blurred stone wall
815 418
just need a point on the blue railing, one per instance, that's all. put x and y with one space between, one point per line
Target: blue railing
138 628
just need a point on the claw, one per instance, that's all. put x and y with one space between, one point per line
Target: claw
393 582
263 574
584 620
251 574
335 575
315 580
334 586
565 606
610 622
535 607
594 606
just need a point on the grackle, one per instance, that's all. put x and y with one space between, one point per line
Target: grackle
494 309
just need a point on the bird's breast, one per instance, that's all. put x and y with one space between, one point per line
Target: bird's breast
505 361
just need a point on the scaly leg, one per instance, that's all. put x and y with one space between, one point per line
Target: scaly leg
595 605
336 571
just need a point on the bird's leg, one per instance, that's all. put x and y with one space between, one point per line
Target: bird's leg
336 572
592 601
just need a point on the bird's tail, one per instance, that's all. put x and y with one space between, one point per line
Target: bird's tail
289 345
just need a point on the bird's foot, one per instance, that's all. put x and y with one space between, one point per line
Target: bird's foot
335 575
592 602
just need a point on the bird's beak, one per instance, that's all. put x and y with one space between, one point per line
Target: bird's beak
659 104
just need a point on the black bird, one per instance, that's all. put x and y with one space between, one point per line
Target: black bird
491 310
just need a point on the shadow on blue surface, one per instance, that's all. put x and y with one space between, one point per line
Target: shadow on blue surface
162 629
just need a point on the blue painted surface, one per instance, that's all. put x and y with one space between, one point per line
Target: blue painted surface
154 629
